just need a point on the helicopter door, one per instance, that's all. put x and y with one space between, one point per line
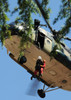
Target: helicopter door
48 44
41 38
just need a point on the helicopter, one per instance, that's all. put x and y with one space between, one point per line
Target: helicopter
58 70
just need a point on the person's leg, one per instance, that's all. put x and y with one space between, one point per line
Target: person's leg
35 73
39 73
42 71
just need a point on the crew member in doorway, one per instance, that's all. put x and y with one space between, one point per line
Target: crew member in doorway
39 36
36 25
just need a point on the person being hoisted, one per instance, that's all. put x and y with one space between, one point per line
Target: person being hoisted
40 65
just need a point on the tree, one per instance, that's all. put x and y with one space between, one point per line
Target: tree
65 12
3 19
27 7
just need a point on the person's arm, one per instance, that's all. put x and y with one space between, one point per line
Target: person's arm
43 66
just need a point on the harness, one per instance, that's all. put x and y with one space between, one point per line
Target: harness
38 63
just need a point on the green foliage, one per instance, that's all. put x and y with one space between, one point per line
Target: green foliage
3 19
15 10
20 55
24 41
28 7
45 8
66 28
65 12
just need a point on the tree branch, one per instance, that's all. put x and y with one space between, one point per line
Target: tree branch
43 14
67 38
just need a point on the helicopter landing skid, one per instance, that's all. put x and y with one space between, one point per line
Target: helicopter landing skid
41 92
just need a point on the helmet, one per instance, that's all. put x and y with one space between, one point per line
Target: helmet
39 57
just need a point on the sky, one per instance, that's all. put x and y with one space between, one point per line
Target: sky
15 83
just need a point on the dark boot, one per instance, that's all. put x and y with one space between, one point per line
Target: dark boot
32 77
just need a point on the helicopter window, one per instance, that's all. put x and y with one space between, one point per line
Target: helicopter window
70 56
62 50
48 41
